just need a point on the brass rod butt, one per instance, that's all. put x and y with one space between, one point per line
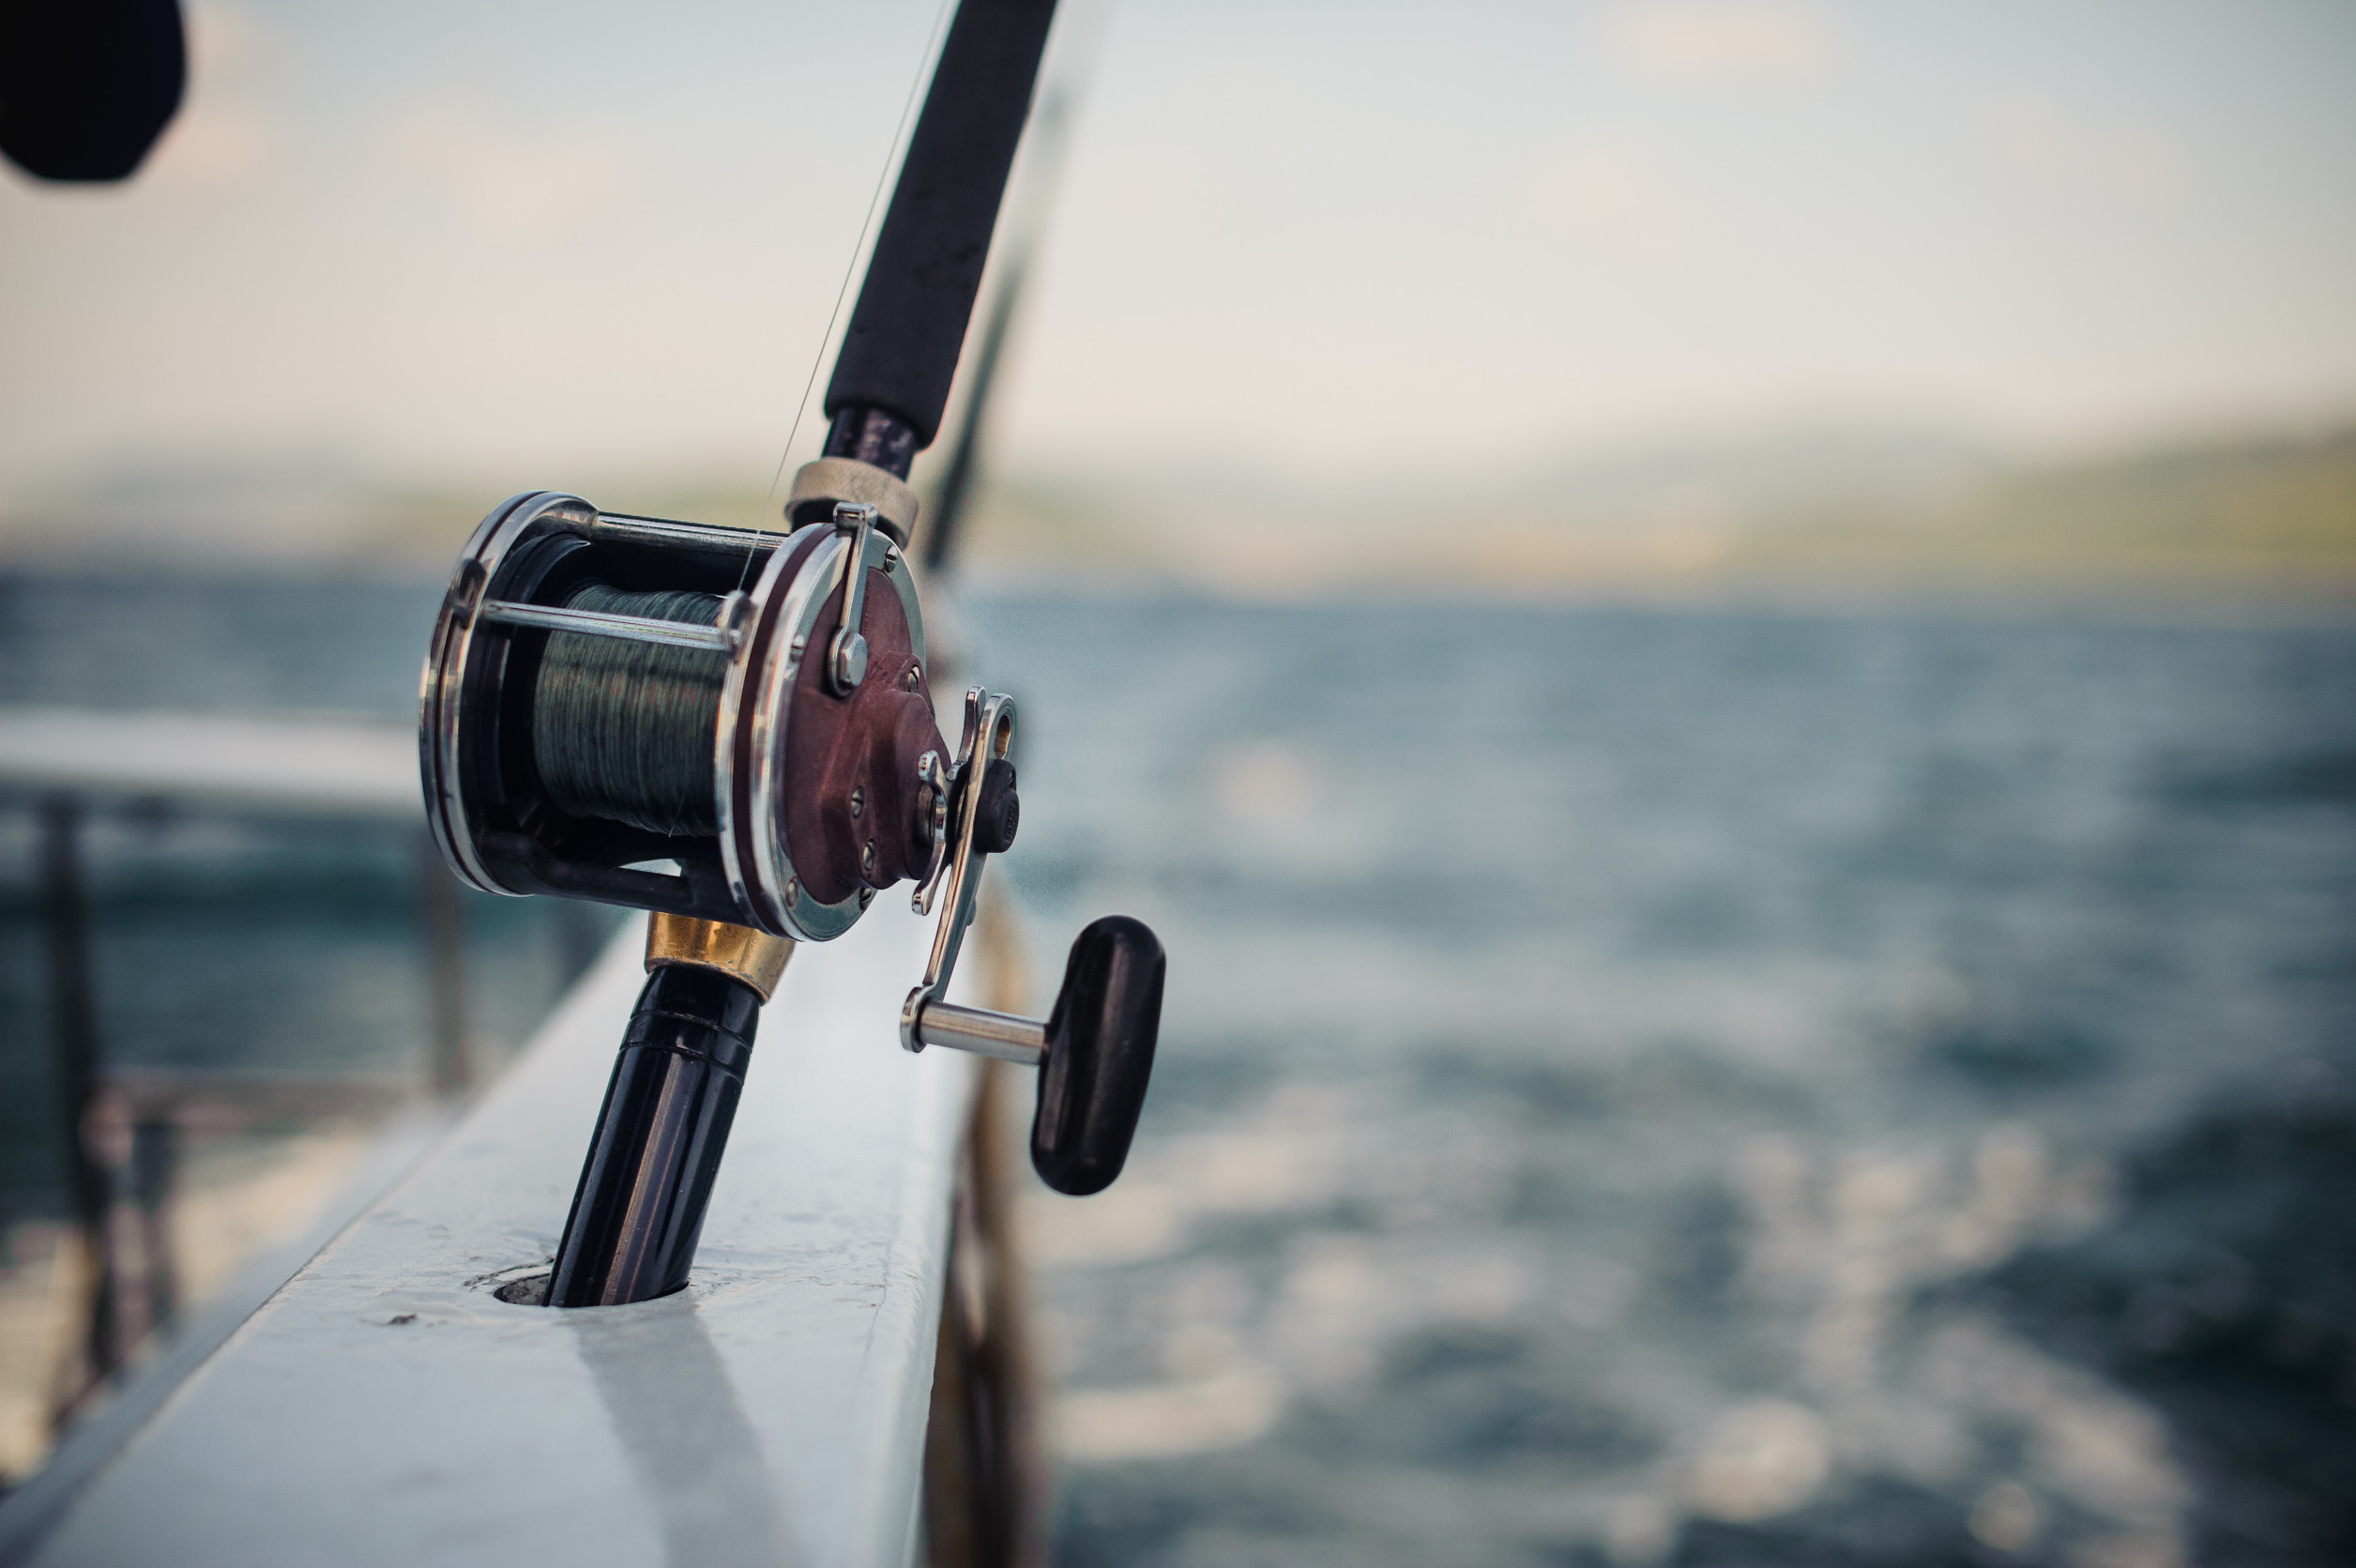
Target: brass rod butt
738 952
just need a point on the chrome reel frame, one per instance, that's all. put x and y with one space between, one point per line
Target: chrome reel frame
488 636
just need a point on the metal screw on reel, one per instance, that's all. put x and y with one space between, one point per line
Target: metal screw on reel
932 793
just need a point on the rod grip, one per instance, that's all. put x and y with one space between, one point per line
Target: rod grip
638 1211
900 351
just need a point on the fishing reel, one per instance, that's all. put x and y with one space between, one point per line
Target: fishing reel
608 712
603 698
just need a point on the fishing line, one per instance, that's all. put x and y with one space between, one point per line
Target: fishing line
624 730
891 157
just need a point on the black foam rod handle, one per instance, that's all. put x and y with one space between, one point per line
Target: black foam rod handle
1099 1053
900 351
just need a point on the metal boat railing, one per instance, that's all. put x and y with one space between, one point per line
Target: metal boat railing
366 1395
68 767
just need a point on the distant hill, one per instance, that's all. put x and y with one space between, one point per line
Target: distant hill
2265 518
2274 515
2259 519
323 512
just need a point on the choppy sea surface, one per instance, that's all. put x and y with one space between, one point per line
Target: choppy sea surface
1637 1086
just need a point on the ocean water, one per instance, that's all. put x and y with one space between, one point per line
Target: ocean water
1706 1086
1636 1085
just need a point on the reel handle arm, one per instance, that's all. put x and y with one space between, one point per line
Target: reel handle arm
1005 1036
982 813
1094 1052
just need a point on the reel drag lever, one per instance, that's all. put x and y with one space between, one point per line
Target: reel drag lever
1094 1051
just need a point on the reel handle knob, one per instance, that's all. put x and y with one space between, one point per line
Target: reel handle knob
1094 1053
1099 1054
1001 811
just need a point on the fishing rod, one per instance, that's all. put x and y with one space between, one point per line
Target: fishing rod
954 494
607 713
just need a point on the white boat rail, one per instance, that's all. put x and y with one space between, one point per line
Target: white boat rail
385 1405
329 767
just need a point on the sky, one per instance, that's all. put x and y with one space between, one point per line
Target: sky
542 242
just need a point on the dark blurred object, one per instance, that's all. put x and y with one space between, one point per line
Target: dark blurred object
86 87
74 1010
984 1477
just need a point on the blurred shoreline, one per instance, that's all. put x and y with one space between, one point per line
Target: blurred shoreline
2250 525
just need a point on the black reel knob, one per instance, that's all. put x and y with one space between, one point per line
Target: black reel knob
1000 812
1099 1054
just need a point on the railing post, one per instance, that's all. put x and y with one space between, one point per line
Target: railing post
437 905
74 1011
154 1158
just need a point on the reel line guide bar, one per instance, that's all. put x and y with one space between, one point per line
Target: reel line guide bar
719 637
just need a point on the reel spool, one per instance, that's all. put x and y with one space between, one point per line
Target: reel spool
600 697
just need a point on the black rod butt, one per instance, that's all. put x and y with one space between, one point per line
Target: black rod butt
638 1211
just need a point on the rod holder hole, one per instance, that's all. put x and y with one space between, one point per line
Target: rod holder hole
531 1290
